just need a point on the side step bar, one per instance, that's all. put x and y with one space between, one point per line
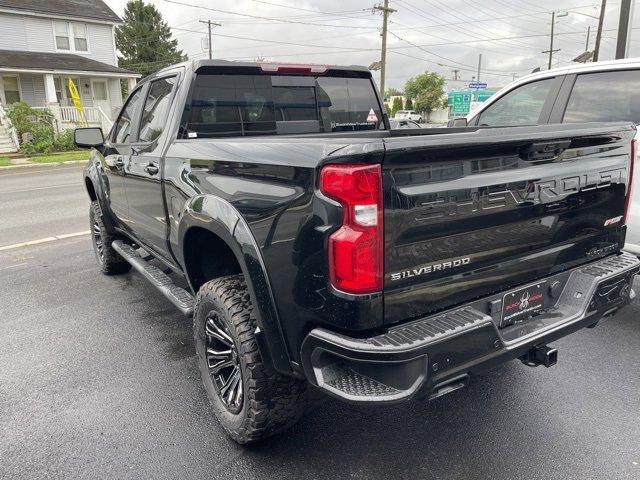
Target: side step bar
175 294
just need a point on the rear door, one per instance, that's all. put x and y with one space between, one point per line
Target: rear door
143 183
471 214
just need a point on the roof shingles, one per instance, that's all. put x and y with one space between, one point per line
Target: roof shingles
56 62
90 9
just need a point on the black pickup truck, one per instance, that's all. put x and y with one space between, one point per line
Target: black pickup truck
314 245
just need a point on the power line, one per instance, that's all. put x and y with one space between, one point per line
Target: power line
260 17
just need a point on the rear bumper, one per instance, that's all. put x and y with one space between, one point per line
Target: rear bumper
437 354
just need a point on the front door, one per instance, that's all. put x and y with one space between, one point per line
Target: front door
144 171
100 95
117 155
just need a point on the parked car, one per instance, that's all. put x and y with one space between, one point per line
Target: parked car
321 247
408 114
591 92
403 123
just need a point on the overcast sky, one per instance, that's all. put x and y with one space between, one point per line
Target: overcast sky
425 35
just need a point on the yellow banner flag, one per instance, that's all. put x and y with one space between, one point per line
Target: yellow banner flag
77 101
75 96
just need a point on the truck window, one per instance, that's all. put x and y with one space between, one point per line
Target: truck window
605 97
244 105
156 109
521 106
122 129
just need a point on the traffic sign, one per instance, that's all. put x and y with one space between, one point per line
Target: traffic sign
477 85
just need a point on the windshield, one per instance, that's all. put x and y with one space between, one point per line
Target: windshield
244 105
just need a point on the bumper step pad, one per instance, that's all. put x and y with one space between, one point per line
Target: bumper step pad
182 299
437 354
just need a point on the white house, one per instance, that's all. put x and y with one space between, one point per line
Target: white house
44 43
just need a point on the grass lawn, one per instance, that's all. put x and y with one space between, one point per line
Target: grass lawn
61 157
4 162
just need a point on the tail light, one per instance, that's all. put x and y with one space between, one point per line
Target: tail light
627 201
355 249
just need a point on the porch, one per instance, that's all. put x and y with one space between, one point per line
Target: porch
41 80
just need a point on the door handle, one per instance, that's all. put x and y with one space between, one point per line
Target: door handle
151 169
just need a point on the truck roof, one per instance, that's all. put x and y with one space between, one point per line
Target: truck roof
195 65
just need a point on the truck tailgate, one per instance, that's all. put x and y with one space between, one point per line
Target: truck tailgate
471 214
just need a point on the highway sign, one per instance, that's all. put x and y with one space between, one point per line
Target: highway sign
477 85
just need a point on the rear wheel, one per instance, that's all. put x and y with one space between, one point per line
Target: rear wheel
249 402
111 263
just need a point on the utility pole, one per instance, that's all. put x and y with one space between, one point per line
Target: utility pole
383 54
624 29
210 24
479 66
551 51
596 51
586 45
455 74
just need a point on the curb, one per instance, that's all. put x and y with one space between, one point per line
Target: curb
51 164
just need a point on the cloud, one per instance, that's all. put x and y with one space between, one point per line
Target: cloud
425 35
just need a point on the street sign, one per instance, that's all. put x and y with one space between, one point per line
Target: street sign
477 85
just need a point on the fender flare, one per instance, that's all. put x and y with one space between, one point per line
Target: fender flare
92 174
223 220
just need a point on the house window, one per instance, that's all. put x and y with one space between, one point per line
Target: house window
62 35
11 90
71 37
58 85
100 91
80 37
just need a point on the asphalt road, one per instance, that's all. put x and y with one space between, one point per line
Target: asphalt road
38 202
98 379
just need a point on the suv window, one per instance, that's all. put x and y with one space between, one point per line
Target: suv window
521 106
122 128
156 109
605 97
241 105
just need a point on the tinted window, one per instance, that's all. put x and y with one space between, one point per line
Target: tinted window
237 105
156 109
122 129
605 97
521 106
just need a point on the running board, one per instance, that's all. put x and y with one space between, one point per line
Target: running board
175 294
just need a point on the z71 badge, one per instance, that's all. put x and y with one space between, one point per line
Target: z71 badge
427 269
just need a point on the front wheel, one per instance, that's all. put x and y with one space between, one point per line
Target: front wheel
110 261
249 402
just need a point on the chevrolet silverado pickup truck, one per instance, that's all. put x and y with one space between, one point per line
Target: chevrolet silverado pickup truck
313 245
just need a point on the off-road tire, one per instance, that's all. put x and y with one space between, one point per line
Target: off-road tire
271 402
111 263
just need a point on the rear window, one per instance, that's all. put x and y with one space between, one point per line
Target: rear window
245 105
605 97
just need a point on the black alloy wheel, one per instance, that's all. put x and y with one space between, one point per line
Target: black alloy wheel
223 363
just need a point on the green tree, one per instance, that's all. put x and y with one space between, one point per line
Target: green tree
144 40
396 105
392 92
426 92
409 104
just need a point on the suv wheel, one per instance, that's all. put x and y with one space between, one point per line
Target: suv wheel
249 402
111 263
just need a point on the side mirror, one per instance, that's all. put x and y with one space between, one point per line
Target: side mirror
91 137
457 122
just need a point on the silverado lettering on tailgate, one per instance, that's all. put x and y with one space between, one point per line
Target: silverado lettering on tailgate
468 201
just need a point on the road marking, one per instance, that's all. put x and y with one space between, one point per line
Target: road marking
44 240
23 190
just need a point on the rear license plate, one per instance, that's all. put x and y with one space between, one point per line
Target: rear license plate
522 303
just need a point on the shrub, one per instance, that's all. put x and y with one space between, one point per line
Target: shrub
64 142
38 123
